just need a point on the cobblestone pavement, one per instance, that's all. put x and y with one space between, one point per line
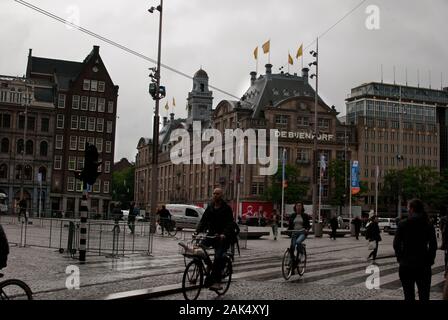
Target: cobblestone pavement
336 269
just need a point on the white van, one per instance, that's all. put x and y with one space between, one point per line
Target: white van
185 215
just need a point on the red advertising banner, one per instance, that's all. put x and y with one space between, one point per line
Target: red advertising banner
257 209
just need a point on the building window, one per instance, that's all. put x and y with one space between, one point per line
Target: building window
109 126
59 142
90 140
110 107
97 187
86 85
281 120
43 173
101 86
99 144
107 167
106 187
3 171
80 165
324 124
254 189
44 124
395 125
84 103
82 123
5 145
57 162
60 121
101 105
20 146
100 125
74 123
303 121
75 102
18 171
71 184
91 124
73 142
5 120
43 149
108 146
302 155
61 101
78 186
29 148
94 85
82 143
28 173
92 104
71 163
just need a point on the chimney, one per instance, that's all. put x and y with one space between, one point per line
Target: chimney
268 68
30 52
165 120
96 49
171 116
305 74
253 77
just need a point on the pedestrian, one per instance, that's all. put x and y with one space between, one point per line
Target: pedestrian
334 226
415 246
117 214
340 222
444 233
274 224
131 217
373 234
357 225
165 219
4 248
22 209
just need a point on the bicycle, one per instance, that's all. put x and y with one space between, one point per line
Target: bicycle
14 289
299 262
200 265
169 226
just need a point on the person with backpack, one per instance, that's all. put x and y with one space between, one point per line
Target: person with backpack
415 246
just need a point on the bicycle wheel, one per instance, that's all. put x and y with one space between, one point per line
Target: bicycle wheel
13 289
226 276
287 265
172 230
192 280
301 261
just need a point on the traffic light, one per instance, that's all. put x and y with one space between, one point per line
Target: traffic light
90 172
156 94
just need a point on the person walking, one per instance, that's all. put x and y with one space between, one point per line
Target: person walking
357 225
131 217
444 232
334 226
415 246
165 218
373 234
4 248
274 224
22 209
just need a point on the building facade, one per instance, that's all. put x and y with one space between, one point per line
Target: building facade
27 126
85 112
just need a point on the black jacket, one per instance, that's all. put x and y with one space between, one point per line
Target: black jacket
373 232
217 221
306 221
415 242
334 223
4 248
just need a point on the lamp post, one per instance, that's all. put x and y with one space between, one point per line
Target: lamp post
155 135
26 101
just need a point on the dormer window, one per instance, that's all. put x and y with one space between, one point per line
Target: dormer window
202 87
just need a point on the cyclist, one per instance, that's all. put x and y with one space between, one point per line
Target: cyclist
165 219
299 223
4 248
217 220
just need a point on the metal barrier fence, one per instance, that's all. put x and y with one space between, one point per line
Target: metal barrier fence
104 237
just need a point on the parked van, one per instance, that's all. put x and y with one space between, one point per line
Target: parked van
386 224
185 215
3 205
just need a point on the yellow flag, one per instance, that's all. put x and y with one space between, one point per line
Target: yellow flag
256 53
300 51
167 107
290 61
266 46
174 102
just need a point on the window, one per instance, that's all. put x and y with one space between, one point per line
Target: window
86 85
101 86
100 167
281 120
80 164
59 142
110 107
101 105
324 124
18 171
109 126
31 123
28 173
97 186
74 123
3 171
191 213
302 155
60 121
254 188
107 167
91 124
20 146
78 186
61 101
5 145
71 163
84 102
71 184
99 144
75 102
395 125
82 143
43 172
108 146
45 124
91 140
106 189
100 125
43 149
303 121
94 85
57 162
92 104
29 148
73 142
82 123
5 120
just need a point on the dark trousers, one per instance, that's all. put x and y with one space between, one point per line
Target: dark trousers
357 231
375 251
131 224
218 265
410 276
333 233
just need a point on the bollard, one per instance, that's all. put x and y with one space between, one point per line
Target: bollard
83 229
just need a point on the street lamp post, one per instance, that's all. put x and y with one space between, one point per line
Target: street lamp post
155 134
26 101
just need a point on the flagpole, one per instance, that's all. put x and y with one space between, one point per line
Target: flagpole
376 189
320 193
283 186
350 195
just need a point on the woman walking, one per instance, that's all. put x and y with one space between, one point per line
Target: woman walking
274 224
373 235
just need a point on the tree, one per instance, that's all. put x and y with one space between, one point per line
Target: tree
339 192
123 186
296 189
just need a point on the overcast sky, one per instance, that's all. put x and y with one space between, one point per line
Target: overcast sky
220 36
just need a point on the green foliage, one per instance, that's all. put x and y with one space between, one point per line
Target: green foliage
296 190
339 171
123 186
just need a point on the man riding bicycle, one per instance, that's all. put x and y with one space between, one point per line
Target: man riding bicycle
299 224
217 220
165 219
4 248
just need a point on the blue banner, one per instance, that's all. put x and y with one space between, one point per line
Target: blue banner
355 177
